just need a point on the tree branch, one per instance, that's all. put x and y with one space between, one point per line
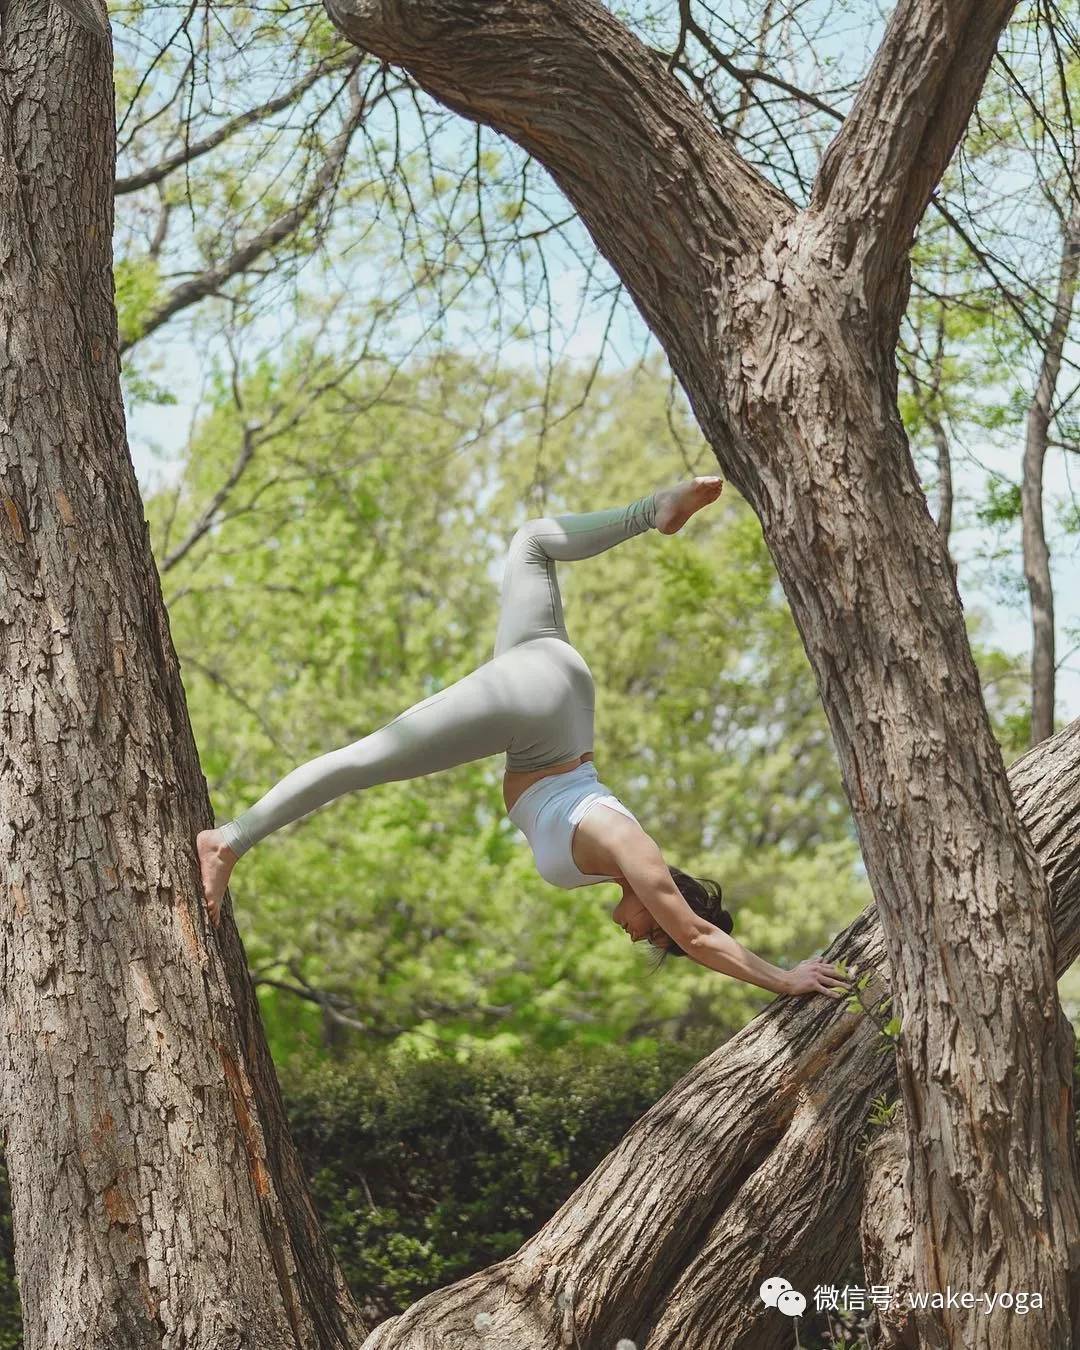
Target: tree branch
210 281
876 177
569 83
195 149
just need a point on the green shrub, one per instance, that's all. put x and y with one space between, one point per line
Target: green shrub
426 1170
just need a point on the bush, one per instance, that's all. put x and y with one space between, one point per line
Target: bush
426 1170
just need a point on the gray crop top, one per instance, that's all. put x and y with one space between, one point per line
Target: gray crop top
547 813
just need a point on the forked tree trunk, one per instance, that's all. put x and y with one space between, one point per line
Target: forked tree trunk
781 326
157 1200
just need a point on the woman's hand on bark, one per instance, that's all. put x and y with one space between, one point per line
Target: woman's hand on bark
816 976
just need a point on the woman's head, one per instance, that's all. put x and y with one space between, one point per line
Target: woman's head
703 897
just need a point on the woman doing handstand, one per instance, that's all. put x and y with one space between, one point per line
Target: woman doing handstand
533 701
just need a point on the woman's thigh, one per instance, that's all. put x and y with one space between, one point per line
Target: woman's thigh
550 689
470 719
534 702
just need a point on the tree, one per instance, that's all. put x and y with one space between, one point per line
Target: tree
781 324
155 1191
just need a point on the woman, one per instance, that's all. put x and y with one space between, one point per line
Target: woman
534 701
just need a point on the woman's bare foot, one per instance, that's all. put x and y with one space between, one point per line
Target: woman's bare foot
216 862
675 506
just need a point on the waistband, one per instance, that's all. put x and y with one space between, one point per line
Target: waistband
543 790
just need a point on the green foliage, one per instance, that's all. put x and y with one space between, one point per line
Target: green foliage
1002 503
1014 733
876 1008
353 570
883 1112
425 1170
1004 679
138 289
971 350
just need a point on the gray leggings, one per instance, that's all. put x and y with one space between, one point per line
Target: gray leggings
533 699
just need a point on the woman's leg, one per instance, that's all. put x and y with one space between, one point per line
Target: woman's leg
469 720
531 606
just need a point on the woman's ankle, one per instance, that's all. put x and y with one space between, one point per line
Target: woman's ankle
214 842
230 841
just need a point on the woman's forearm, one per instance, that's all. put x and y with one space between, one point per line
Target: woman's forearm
718 951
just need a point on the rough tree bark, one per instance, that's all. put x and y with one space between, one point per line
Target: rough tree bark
156 1197
1046 785
781 325
1036 550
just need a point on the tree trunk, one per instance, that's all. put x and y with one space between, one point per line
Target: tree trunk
781 326
1046 785
157 1200
1036 551
885 1232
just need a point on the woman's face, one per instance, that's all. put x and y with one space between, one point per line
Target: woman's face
632 916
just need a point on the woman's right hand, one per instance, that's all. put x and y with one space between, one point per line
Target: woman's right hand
816 976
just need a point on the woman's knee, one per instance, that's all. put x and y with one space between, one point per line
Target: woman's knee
526 537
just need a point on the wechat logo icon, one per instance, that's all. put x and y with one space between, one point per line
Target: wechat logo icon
777 1293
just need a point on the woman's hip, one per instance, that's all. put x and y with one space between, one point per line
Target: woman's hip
548 690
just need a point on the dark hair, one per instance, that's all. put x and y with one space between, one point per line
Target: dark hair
705 898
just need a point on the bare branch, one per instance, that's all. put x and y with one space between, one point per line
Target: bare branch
206 518
195 149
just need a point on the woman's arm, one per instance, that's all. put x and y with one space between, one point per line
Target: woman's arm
717 950
647 874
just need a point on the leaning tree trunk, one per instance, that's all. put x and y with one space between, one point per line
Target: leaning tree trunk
781 326
157 1200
